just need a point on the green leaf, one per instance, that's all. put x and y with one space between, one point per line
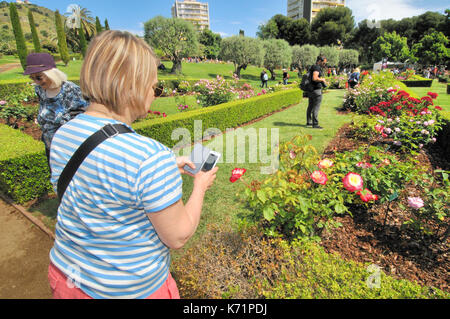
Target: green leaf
269 214
393 196
261 196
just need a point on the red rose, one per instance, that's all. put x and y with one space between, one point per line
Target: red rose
367 196
236 174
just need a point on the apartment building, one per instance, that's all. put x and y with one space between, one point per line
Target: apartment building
308 9
193 11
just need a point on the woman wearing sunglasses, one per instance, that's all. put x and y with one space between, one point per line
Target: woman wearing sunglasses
59 100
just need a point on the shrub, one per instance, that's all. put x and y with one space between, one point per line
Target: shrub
304 196
24 173
245 264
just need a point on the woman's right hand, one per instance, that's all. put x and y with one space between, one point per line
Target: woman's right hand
204 180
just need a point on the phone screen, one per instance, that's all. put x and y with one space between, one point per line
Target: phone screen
210 162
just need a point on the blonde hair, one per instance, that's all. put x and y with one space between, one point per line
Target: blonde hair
118 71
56 76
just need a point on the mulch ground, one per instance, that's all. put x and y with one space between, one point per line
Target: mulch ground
366 238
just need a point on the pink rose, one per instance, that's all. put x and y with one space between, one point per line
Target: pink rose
319 177
326 163
415 202
353 182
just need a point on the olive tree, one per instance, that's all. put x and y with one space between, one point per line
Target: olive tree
348 58
242 51
304 56
176 38
277 54
332 55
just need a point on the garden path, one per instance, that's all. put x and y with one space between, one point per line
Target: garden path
9 66
23 256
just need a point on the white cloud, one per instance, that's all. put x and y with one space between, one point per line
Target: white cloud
383 9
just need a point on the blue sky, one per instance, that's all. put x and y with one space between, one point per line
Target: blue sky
229 16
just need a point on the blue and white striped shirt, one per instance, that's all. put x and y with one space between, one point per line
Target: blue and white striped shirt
105 242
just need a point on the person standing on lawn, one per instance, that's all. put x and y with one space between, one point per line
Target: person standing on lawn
59 100
123 210
315 95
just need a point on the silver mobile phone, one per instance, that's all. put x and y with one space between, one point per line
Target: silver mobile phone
203 158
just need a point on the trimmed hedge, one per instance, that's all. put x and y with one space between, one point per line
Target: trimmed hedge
24 173
222 117
418 83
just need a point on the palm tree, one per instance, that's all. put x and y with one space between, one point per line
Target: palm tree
80 17
76 18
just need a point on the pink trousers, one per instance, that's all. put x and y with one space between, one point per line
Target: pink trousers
60 289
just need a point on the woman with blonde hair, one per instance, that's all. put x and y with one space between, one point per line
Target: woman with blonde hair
59 100
122 212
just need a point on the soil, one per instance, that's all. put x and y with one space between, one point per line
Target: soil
9 66
24 257
401 254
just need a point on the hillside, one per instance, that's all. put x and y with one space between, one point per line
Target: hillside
43 17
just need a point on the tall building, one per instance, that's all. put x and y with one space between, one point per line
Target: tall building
193 11
308 9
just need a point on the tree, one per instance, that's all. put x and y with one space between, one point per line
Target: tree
332 25
36 43
106 24
332 55
432 49
305 56
277 54
62 42
362 40
84 17
98 25
211 42
281 27
268 30
348 58
18 35
391 46
83 42
242 51
177 38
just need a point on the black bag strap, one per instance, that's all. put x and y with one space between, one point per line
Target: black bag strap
84 150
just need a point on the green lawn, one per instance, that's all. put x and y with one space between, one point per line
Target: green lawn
443 99
190 70
6 59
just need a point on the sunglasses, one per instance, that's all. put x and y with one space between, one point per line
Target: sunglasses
37 78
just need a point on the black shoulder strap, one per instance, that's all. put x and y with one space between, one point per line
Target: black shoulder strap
83 151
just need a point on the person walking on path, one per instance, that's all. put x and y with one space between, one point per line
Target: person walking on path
315 95
59 100
264 78
285 77
123 210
